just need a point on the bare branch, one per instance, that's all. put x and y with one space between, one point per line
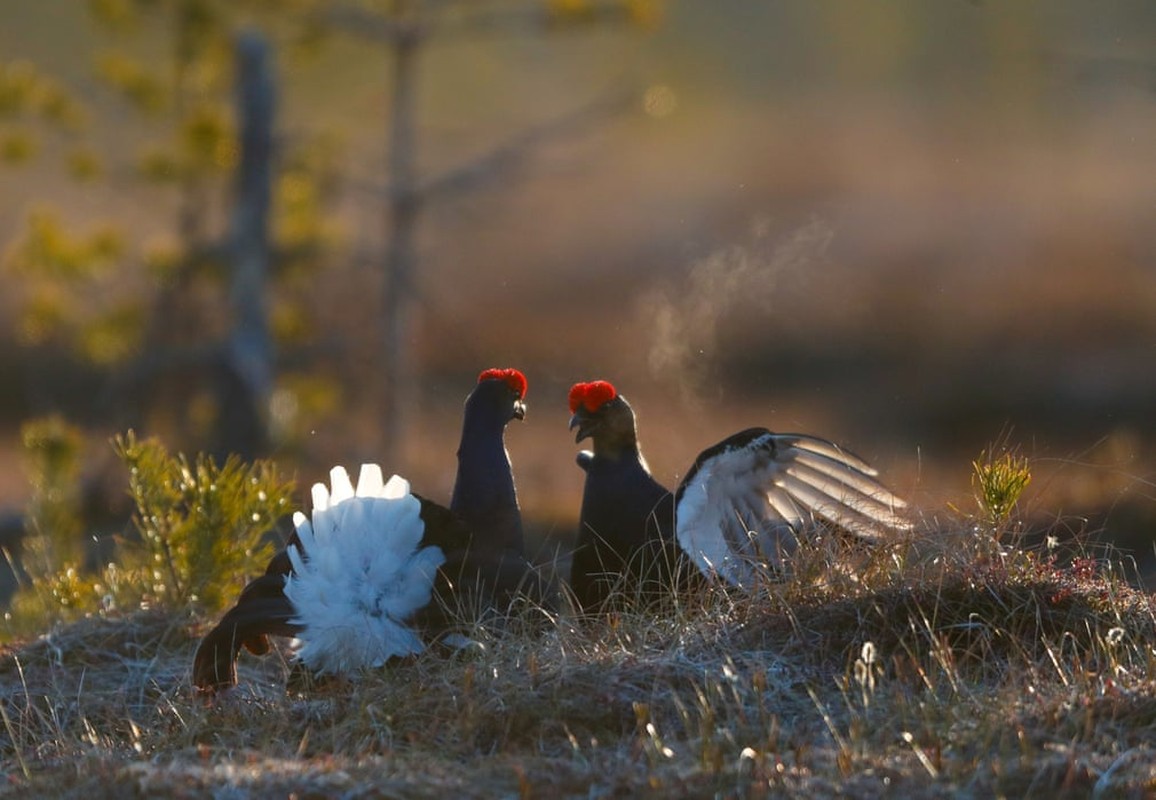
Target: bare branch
529 18
357 21
448 18
506 155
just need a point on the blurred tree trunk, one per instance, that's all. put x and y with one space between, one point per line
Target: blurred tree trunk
246 375
404 204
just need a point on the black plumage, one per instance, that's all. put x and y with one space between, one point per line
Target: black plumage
738 511
481 563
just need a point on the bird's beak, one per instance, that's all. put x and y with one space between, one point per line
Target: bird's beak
519 409
584 424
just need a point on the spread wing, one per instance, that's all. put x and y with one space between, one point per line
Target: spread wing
747 498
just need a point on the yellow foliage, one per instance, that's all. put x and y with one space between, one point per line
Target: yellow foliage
299 221
161 257
134 80
25 91
52 445
44 313
56 105
998 483
645 13
17 147
208 139
202 530
290 322
105 245
202 525
112 337
313 397
160 165
52 460
111 12
84 165
569 8
48 250
17 87
60 273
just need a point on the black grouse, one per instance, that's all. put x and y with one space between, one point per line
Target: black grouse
379 570
739 510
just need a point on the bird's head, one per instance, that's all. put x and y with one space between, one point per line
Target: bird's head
601 414
501 393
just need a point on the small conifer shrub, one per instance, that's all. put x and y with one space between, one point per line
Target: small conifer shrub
202 525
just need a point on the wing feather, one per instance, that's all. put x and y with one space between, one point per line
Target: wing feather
785 506
824 506
879 510
822 447
743 505
847 473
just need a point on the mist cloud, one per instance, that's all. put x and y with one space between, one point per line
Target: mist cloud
684 318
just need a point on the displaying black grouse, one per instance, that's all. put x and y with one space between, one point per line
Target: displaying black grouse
740 509
378 570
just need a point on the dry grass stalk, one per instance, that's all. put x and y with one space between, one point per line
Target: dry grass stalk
932 664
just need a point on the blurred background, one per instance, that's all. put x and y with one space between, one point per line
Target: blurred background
298 230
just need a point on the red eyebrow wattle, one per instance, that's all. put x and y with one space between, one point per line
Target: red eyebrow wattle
513 378
591 396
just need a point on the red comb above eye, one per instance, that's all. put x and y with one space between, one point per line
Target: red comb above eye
513 378
591 396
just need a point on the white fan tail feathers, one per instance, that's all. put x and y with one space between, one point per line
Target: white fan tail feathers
360 572
370 482
340 487
747 500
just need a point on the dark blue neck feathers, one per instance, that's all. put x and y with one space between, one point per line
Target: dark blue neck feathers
484 495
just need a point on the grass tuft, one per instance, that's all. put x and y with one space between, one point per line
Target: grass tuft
937 664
